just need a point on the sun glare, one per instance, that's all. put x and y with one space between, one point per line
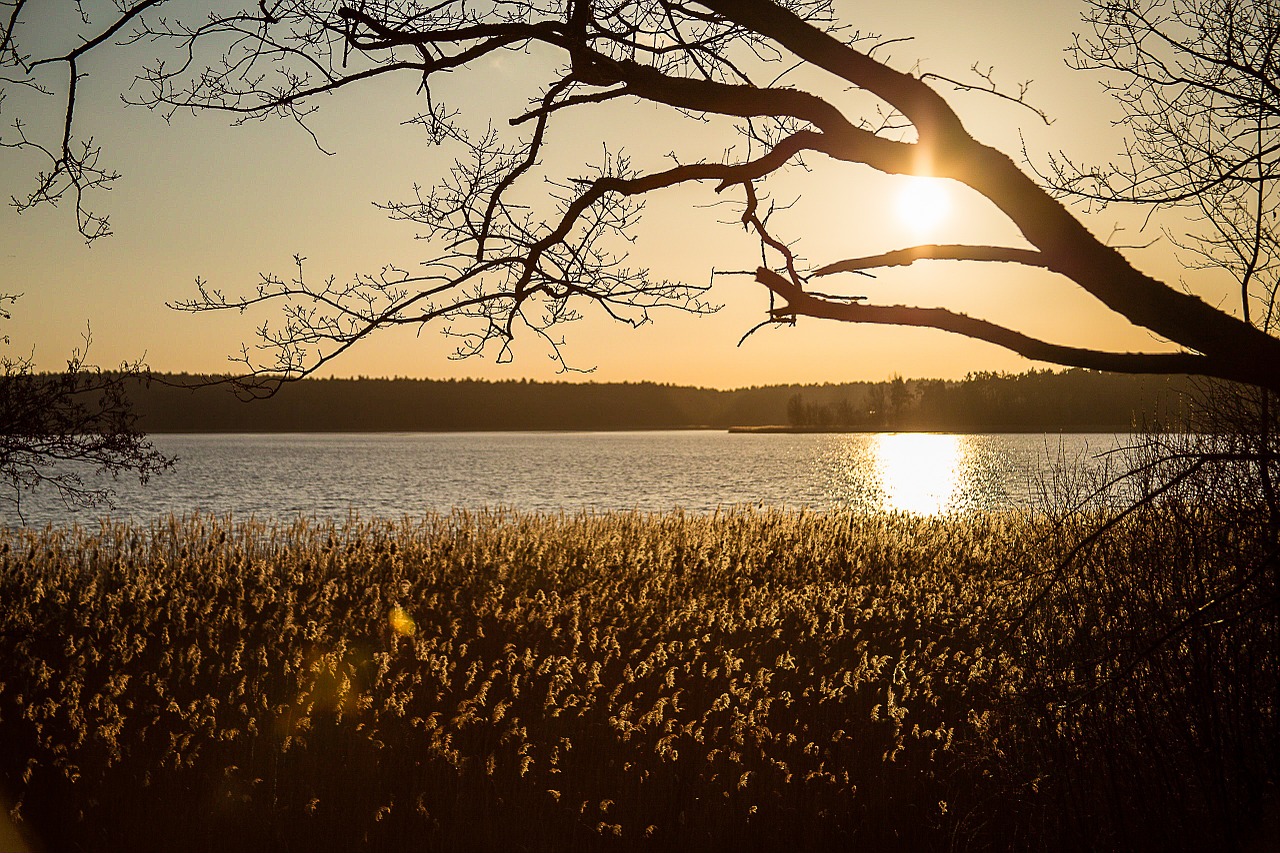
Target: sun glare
923 203
919 472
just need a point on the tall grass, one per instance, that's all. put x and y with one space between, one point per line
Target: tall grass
495 680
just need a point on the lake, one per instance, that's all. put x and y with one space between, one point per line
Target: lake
396 474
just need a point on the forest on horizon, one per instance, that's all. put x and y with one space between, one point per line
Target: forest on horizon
1039 400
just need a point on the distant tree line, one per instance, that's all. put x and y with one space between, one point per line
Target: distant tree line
1072 400
368 404
1077 400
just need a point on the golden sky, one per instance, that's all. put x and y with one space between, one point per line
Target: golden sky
200 198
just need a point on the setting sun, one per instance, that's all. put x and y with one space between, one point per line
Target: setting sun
923 203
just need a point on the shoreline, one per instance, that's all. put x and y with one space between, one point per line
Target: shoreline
746 429
996 429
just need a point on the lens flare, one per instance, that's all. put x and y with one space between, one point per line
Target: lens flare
401 622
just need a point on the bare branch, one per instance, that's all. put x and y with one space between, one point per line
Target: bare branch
988 86
933 252
801 303
503 264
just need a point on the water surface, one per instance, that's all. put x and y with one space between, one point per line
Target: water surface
397 474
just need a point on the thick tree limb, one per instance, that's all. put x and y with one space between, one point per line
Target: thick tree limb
503 260
935 252
946 150
800 303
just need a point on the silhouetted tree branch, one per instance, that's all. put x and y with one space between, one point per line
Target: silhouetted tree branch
506 263
57 427
1199 86
1200 91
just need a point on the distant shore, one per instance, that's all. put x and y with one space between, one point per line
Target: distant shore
996 428
1036 402
780 429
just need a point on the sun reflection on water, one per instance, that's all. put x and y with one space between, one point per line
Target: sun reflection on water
919 472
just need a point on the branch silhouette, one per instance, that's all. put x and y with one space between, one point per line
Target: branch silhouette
505 265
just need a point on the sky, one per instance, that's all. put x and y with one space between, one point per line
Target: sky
199 198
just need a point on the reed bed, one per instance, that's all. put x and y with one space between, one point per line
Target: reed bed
501 681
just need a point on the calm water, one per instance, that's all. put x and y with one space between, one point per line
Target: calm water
391 475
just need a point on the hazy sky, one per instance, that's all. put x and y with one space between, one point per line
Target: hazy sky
200 198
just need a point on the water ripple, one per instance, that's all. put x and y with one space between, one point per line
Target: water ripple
396 474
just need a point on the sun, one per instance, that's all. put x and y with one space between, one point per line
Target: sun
923 203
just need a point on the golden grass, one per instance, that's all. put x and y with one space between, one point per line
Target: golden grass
497 680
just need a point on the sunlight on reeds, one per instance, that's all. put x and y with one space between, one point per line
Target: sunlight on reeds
653 672
486 680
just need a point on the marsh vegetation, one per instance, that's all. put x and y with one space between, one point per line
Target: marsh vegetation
739 680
